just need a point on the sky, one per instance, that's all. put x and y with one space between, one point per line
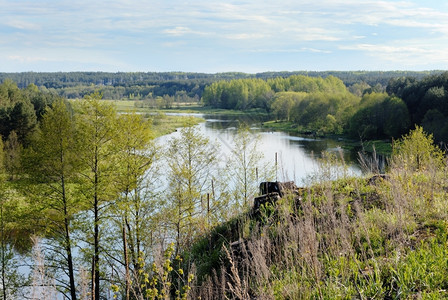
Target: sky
222 36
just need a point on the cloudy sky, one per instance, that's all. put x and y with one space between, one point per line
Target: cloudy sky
219 36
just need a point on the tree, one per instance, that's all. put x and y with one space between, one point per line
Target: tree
98 152
53 164
245 167
40 100
435 122
10 278
417 152
5 251
16 112
283 104
14 235
136 157
13 150
191 159
379 116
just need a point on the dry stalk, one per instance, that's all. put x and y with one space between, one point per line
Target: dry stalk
238 288
43 287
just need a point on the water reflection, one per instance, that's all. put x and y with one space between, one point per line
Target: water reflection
296 155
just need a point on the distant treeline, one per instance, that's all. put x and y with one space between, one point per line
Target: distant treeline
327 105
365 105
148 85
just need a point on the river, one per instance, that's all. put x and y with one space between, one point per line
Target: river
297 156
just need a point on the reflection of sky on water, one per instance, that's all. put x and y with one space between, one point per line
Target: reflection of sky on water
296 156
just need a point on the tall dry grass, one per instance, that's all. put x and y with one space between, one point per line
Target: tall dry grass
337 239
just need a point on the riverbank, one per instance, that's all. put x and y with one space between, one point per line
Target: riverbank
162 123
190 108
169 123
382 147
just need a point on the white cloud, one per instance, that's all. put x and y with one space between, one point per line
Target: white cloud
180 31
411 53
246 36
298 50
21 24
386 28
316 50
26 59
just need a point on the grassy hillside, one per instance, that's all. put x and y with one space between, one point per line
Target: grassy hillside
376 237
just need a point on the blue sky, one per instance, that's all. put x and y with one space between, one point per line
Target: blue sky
220 36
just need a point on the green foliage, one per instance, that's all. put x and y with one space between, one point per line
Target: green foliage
284 103
416 151
238 94
245 168
436 123
20 109
422 271
379 116
165 279
191 158
423 99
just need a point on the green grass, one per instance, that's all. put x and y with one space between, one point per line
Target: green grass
125 105
380 146
163 124
130 105
283 126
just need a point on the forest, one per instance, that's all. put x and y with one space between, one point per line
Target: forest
83 208
361 105
328 106
141 85
83 212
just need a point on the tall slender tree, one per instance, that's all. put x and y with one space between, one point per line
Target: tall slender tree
245 167
191 160
136 157
53 164
97 136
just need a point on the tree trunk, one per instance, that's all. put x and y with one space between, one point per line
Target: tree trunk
96 255
68 249
96 230
3 253
68 244
126 262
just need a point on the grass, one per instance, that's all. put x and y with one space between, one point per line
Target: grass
352 238
187 108
381 147
164 124
282 126
125 105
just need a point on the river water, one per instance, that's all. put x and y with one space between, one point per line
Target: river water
297 156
